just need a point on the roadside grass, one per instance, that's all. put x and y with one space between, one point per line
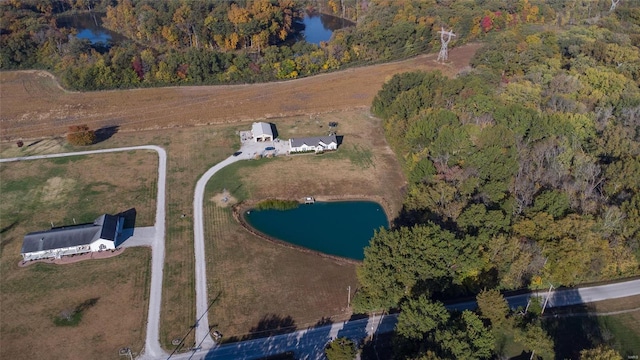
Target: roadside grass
34 194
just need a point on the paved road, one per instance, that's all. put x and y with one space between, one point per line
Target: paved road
568 296
152 342
310 343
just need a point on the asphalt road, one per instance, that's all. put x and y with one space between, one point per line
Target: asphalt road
310 343
152 347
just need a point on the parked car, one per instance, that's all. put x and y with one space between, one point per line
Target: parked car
269 148
237 153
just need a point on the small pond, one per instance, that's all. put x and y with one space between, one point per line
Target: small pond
89 26
313 28
319 27
341 228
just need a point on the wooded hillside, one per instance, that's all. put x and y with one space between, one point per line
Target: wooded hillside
523 172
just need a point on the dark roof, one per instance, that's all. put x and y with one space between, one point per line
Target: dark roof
314 141
105 227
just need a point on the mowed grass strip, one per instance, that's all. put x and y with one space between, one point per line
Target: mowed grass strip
33 194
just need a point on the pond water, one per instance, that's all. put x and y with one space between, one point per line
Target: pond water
320 27
313 28
89 26
341 228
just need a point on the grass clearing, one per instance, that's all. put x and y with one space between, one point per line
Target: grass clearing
33 194
265 287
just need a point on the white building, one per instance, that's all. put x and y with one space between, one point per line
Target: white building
317 144
100 235
261 131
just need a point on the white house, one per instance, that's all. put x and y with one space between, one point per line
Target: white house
100 235
261 131
317 144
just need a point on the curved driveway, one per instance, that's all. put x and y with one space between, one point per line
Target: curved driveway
203 338
152 347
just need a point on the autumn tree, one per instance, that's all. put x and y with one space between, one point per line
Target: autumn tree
80 135
601 352
341 349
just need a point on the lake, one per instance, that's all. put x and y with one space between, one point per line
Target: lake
340 228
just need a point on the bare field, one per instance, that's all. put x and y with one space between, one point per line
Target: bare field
32 105
33 194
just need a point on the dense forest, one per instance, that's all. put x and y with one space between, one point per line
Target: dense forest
523 173
213 42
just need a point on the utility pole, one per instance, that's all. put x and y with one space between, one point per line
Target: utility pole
614 3
546 300
444 52
349 296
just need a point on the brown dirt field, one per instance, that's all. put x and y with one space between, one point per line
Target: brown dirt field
32 296
32 104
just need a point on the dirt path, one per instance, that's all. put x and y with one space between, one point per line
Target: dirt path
32 104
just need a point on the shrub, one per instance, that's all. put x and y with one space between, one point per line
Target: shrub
81 135
276 204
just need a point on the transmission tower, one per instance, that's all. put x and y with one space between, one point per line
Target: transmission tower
614 3
445 37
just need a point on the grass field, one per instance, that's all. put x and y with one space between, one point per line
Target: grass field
263 286
34 194
34 106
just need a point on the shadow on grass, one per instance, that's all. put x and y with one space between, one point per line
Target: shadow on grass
72 317
269 325
105 133
572 334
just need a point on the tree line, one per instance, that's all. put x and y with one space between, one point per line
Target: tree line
523 172
239 41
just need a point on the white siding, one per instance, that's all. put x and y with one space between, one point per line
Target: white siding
108 245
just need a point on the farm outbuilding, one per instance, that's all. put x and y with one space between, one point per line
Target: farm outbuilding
261 131
102 234
317 144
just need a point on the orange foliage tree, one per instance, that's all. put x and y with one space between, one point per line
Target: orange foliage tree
80 135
